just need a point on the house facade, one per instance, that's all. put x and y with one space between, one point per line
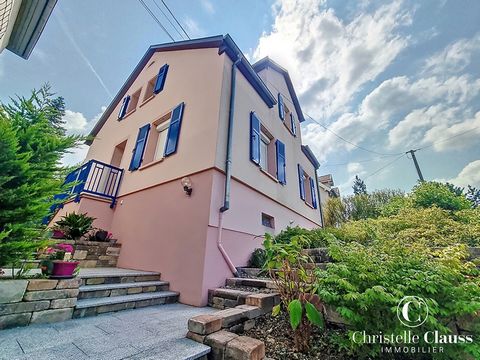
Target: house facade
327 188
198 155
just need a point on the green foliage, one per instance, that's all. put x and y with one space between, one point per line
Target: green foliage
428 194
74 226
295 282
313 238
32 142
366 282
258 258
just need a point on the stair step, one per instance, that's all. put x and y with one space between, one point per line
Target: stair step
100 276
94 306
110 290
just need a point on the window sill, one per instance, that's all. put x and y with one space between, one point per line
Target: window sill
154 162
309 205
146 100
289 130
269 175
127 114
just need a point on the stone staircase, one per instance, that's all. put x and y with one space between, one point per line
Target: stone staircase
114 289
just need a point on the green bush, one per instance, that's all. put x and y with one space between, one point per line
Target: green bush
366 282
314 238
428 194
258 258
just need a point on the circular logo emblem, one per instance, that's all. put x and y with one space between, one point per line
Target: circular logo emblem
412 311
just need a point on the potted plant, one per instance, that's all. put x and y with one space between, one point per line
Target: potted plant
74 226
100 235
58 263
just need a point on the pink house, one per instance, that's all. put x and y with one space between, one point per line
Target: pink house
198 155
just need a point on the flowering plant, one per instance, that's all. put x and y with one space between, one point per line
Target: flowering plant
58 251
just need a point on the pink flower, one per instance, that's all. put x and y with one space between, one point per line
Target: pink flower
65 247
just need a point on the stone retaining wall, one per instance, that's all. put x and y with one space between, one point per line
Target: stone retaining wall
93 254
36 301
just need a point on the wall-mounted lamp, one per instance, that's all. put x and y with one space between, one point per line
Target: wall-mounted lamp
187 185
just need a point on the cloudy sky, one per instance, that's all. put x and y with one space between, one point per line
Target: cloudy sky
374 78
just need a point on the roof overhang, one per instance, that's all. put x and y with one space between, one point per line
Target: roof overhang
266 62
29 23
310 156
225 44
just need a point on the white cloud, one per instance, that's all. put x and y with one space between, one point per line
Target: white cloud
355 168
193 28
76 156
75 122
208 6
454 58
469 175
330 59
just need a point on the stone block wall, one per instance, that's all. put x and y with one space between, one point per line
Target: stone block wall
93 254
36 301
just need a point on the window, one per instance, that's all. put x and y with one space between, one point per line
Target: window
149 90
268 154
307 187
118 154
268 221
132 105
163 138
161 77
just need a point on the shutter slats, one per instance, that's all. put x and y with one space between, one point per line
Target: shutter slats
293 124
139 149
314 196
281 164
162 76
124 107
301 183
174 130
281 108
254 138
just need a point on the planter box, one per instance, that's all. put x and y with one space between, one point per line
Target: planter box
91 254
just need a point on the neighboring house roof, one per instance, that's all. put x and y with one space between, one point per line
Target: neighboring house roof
310 156
21 25
225 44
326 179
267 62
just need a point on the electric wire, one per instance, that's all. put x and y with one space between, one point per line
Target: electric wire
383 167
168 19
156 19
175 18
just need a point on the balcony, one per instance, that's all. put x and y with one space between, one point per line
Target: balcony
95 178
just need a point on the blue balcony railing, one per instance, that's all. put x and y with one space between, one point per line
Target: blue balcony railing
96 178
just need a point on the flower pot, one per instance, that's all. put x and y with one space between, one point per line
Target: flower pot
63 269
58 234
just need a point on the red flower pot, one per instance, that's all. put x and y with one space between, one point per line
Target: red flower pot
63 268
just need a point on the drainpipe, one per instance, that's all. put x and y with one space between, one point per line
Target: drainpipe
228 167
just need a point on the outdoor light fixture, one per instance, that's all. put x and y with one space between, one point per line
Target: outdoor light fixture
187 185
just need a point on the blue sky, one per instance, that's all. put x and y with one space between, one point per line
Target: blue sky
388 77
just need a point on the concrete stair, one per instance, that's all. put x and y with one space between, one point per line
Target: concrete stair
114 289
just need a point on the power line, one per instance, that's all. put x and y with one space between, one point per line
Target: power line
175 18
156 19
356 161
449 138
383 167
168 19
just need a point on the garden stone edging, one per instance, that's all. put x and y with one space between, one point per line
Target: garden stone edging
218 330
91 254
37 301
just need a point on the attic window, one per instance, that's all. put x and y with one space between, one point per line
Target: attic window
149 90
132 105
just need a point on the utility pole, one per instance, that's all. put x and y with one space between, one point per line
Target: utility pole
419 172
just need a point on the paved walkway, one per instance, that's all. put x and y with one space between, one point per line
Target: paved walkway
156 332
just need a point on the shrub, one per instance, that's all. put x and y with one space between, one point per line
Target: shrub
32 142
314 238
365 284
258 258
74 226
428 194
296 285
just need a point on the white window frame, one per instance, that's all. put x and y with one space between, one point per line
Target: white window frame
161 128
264 143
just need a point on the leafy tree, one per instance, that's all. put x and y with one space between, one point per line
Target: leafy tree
359 186
473 195
32 142
427 194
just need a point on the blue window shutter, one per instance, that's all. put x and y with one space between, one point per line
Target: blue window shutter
281 175
174 130
124 107
312 190
254 138
162 75
139 148
293 124
281 108
300 182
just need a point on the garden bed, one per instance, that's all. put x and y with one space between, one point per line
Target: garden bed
276 333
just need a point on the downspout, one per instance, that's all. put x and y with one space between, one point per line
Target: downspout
228 167
319 199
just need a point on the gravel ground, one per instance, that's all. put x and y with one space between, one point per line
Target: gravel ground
276 333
